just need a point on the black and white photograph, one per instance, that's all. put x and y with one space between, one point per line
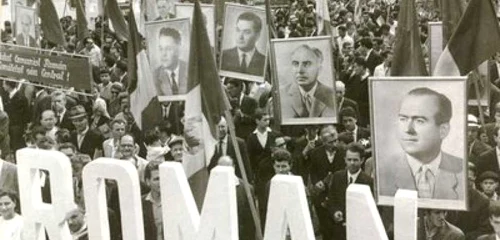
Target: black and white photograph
26 18
304 74
13 8
185 10
158 10
244 43
481 78
419 140
168 50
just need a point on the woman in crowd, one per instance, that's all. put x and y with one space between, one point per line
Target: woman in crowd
11 223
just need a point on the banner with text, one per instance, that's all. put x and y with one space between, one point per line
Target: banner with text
32 65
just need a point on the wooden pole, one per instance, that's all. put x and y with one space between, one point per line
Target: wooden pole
476 77
246 185
48 87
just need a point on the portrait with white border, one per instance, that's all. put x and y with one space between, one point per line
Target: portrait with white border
168 44
244 43
26 19
304 74
185 10
419 139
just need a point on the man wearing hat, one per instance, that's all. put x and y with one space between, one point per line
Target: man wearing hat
86 141
176 145
488 181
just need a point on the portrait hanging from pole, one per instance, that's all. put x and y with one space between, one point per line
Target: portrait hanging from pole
419 139
303 71
244 43
168 51
26 20
185 10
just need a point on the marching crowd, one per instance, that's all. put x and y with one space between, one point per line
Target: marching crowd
327 157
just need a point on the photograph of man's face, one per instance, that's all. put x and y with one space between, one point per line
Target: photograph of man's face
169 42
421 129
26 24
306 65
165 8
248 27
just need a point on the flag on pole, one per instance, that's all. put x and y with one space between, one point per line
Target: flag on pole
408 57
451 11
81 21
115 15
51 27
323 18
270 22
205 104
141 86
475 39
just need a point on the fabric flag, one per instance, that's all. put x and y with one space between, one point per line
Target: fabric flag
50 24
475 39
408 57
451 11
205 104
81 21
323 18
141 86
115 15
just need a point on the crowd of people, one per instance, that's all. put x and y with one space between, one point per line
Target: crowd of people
328 157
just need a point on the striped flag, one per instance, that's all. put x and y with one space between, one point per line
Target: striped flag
141 86
476 39
51 27
205 104
115 15
451 11
323 18
408 57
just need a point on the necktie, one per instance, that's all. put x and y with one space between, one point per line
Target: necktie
425 182
350 180
243 63
221 150
165 112
175 87
308 102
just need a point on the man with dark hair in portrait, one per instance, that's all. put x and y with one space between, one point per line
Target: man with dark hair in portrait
24 37
424 122
245 58
164 8
170 76
306 96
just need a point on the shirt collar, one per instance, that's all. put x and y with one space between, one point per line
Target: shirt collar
268 129
12 93
416 164
310 92
354 176
176 72
248 54
84 131
149 197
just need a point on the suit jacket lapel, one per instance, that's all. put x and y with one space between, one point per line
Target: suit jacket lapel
3 175
404 177
317 108
297 104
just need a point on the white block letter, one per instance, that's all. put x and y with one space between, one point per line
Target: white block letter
405 215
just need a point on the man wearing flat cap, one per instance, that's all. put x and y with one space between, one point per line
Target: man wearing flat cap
85 140
488 182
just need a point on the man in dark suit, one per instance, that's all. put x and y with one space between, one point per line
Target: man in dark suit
260 140
163 113
165 9
24 38
349 121
4 135
433 226
306 96
16 106
243 108
341 179
371 57
151 203
245 58
488 161
301 148
8 177
424 123
225 147
494 211
171 76
40 102
357 89
60 105
325 160
85 140
344 102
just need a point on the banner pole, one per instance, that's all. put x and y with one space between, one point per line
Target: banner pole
246 185
44 86
476 77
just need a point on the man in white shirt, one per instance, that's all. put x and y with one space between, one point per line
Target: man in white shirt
110 146
93 51
384 69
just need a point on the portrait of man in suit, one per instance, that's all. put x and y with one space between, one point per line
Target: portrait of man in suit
165 9
171 75
423 124
244 57
305 96
25 29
